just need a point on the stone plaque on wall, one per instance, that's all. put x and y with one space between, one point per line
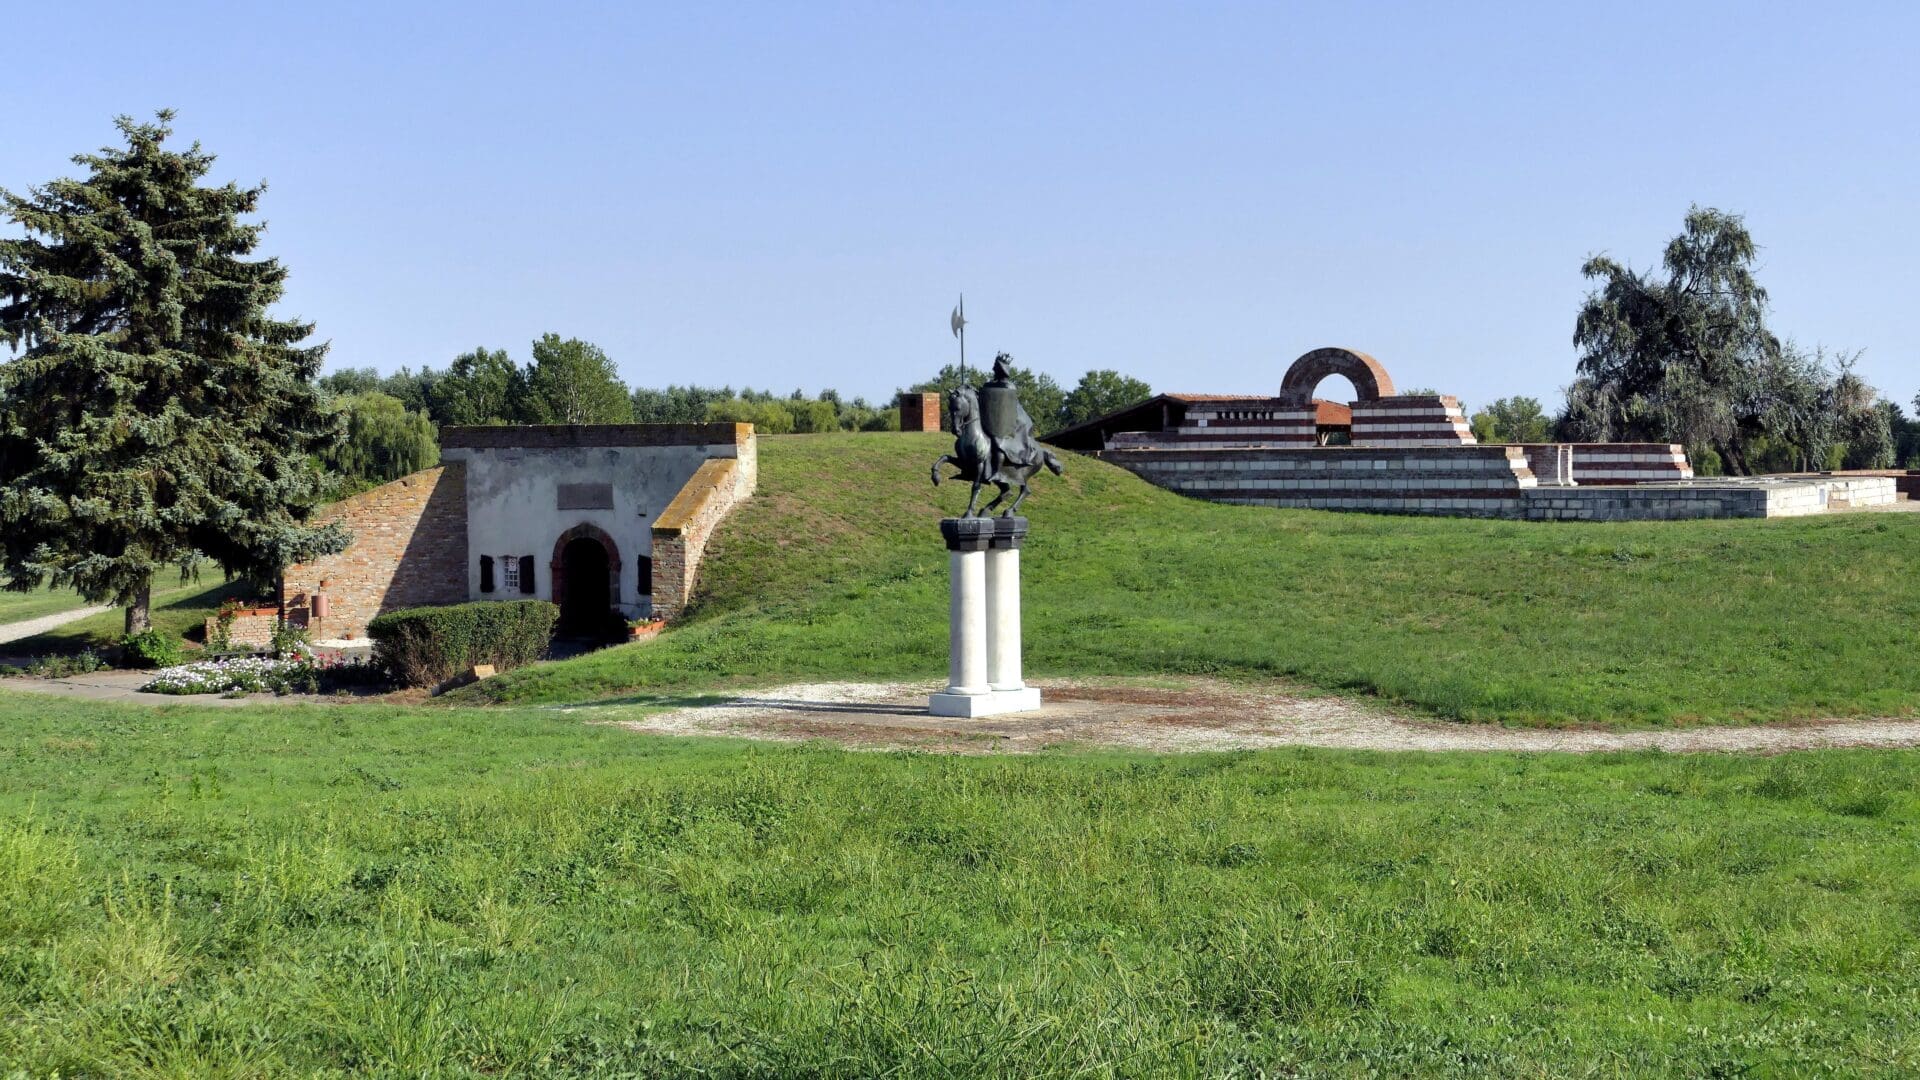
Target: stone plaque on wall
586 496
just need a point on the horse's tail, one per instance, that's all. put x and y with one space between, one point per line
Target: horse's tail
1053 463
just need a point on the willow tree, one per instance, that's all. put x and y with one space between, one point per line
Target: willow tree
1685 356
153 414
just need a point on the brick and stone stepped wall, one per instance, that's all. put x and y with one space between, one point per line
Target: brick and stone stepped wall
1461 481
1411 421
1475 481
1597 464
1233 422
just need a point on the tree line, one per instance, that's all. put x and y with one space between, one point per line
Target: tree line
391 422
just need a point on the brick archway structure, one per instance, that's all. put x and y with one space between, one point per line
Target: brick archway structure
1369 379
558 567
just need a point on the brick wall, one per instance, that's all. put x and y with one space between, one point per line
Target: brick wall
1232 423
557 436
251 628
919 412
1411 421
409 548
681 532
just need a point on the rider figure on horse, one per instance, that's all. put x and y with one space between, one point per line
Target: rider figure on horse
993 440
1004 421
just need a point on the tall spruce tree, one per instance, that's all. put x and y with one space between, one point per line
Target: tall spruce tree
155 415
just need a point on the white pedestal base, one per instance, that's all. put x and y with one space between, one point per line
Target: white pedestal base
983 670
991 703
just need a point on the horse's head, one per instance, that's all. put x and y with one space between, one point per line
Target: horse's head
963 406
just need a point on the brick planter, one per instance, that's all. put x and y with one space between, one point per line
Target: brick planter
252 628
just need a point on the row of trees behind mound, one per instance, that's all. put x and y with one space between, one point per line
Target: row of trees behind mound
391 421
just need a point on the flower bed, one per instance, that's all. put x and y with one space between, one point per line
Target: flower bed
240 675
299 672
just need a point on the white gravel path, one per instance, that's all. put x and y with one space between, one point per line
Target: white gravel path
26 628
1197 715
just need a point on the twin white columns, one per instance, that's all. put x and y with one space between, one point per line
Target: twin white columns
983 668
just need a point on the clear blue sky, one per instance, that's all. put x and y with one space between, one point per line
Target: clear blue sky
791 195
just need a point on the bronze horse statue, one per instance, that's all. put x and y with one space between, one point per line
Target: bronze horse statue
1005 460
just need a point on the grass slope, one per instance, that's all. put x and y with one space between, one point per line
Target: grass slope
835 570
178 608
22 606
294 891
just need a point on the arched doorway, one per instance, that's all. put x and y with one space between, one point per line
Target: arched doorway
586 579
584 608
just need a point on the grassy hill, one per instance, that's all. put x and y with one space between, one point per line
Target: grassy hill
835 570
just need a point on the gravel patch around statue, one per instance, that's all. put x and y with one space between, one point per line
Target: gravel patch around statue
1196 715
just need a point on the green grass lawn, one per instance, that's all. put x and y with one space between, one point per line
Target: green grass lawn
21 606
317 890
178 608
835 570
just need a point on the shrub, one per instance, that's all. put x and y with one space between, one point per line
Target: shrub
289 640
151 649
59 667
428 646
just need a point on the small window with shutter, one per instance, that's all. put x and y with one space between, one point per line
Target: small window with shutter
486 573
526 574
510 573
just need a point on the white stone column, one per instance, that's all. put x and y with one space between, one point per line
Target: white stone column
967 623
1003 618
983 667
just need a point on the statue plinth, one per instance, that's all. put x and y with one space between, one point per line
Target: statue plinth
983 624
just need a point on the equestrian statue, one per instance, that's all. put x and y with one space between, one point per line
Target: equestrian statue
993 441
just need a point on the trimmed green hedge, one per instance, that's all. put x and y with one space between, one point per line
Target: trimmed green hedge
429 645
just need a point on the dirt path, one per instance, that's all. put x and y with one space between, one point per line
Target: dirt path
1192 715
26 628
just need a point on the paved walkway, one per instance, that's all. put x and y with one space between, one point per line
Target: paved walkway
122 686
17 631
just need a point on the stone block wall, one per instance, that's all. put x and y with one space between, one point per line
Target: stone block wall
1661 503
1411 421
1596 464
919 412
409 548
681 532
1755 497
1466 481
1860 492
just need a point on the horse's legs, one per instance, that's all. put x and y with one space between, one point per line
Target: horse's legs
997 499
943 459
1015 508
974 498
